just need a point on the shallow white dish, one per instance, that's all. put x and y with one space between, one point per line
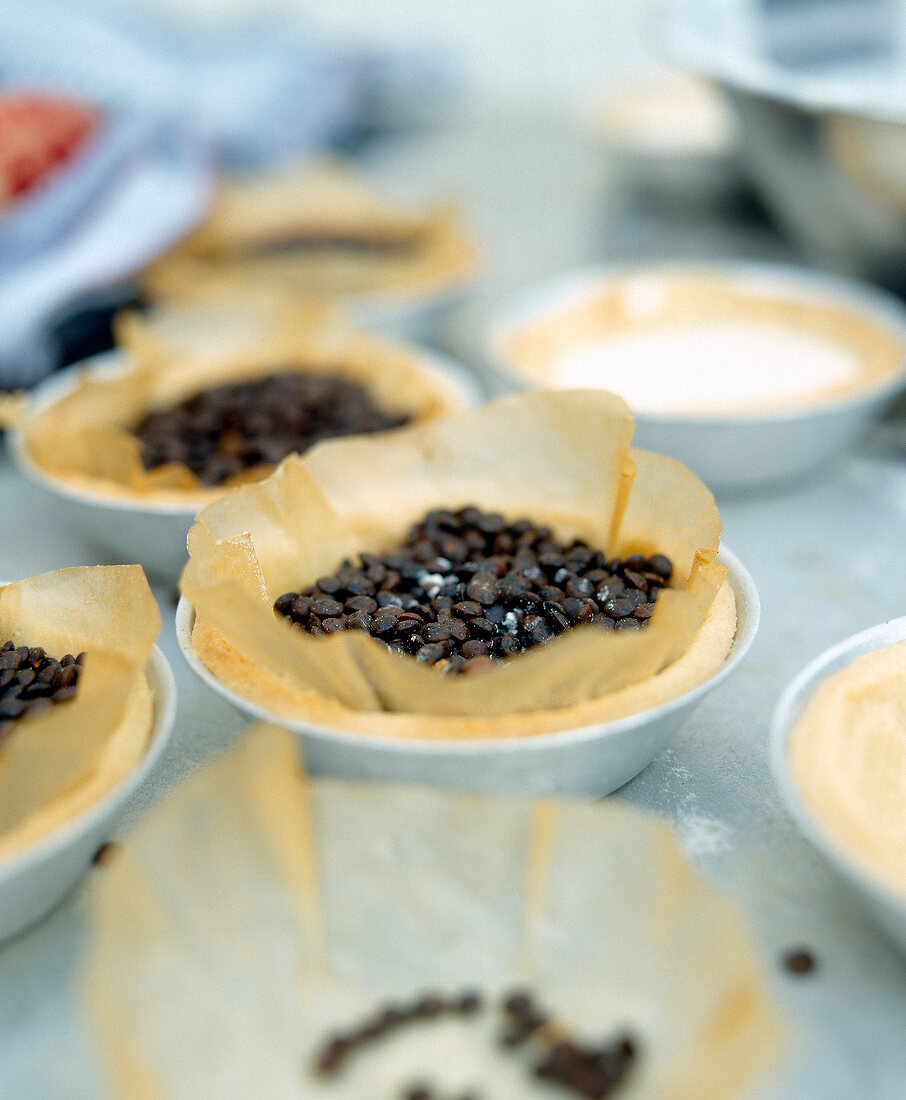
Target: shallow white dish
34 881
671 135
819 94
150 533
417 317
886 906
594 760
733 450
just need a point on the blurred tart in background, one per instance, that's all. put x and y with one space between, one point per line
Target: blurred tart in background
181 419
318 229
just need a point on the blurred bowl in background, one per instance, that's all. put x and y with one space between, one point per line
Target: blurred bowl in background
671 135
417 318
828 830
819 92
414 314
750 374
320 230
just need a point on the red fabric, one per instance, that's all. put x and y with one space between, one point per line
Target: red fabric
37 134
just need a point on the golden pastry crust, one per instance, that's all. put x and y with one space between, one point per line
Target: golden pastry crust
284 699
561 459
592 905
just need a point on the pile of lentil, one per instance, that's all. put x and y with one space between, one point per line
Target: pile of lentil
30 681
468 586
588 1071
334 1053
593 1072
356 244
221 431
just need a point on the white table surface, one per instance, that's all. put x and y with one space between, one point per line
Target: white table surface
825 555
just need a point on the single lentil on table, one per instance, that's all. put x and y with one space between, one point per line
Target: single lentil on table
799 961
468 586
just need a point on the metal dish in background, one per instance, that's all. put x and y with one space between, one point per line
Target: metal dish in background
671 136
733 450
32 882
416 318
595 760
886 906
819 91
150 533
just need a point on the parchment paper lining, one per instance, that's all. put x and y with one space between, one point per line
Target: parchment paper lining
85 437
324 200
278 696
559 458
235 968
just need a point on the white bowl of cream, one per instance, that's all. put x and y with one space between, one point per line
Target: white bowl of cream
838 753
747 373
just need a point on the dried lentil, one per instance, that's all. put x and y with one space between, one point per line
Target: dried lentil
30 681
466 586
221 431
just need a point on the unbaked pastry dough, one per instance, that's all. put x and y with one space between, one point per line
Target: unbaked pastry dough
847 755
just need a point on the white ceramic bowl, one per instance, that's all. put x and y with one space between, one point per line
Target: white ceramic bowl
150 533
417 317
887 908
670 135
34 881
734 450
595 760
819 94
